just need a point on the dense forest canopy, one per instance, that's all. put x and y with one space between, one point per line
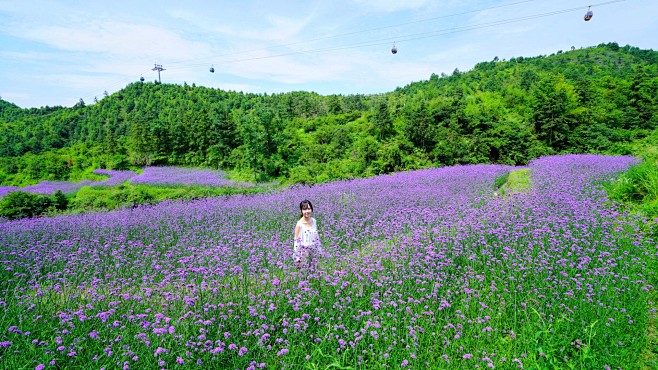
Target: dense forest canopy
591 100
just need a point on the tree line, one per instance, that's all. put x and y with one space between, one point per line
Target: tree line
592 100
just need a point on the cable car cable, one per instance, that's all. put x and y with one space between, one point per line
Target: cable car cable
410 37
404 38
360 31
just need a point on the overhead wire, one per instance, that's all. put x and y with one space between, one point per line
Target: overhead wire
329 37
408 37
192 63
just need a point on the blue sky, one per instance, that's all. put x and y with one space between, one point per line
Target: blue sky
55 52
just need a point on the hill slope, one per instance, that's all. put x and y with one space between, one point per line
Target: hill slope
599 99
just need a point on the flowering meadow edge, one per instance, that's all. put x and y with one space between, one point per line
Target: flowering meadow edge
152 175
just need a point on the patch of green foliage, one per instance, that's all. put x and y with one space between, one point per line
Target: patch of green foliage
97 198
501 180
20 204
637 187
66 164
514 182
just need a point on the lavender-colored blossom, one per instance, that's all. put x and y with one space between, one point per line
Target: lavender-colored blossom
151 175
67 187
50 187
116 177
4 190
183 176
413 260
160 350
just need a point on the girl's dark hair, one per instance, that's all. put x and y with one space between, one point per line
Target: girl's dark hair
305 204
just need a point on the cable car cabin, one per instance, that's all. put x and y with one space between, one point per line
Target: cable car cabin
141 78
212 69
589 14
394 50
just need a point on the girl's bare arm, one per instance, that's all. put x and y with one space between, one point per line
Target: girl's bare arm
296 233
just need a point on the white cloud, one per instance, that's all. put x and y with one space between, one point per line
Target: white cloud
250 25
27 57
394 5
118 39
289 70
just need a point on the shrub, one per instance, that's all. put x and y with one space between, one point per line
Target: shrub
109 198
131 196
301 175
637 186
60 202
20 204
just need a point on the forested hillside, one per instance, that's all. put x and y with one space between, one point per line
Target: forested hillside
596 100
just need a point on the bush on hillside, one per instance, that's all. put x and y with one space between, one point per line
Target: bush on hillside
89 199
60 202
20 204
638 186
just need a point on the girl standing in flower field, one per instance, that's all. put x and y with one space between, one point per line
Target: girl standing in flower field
307 242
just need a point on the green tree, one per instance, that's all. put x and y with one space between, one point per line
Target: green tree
642 95
555 110
418 126
142 148
60 202
382 120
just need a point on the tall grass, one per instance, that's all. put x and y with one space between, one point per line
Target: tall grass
514 182
638 187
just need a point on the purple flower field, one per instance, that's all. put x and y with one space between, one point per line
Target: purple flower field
50 187
117 177
4 190
151 175
183 176
420 269
67 187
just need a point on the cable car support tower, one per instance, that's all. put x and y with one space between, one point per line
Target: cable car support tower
158 67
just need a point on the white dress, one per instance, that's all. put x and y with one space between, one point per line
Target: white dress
308 240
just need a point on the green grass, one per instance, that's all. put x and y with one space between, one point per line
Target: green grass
528 322
637 188
514 182
125 195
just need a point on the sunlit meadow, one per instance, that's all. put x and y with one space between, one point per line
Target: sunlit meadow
423 268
